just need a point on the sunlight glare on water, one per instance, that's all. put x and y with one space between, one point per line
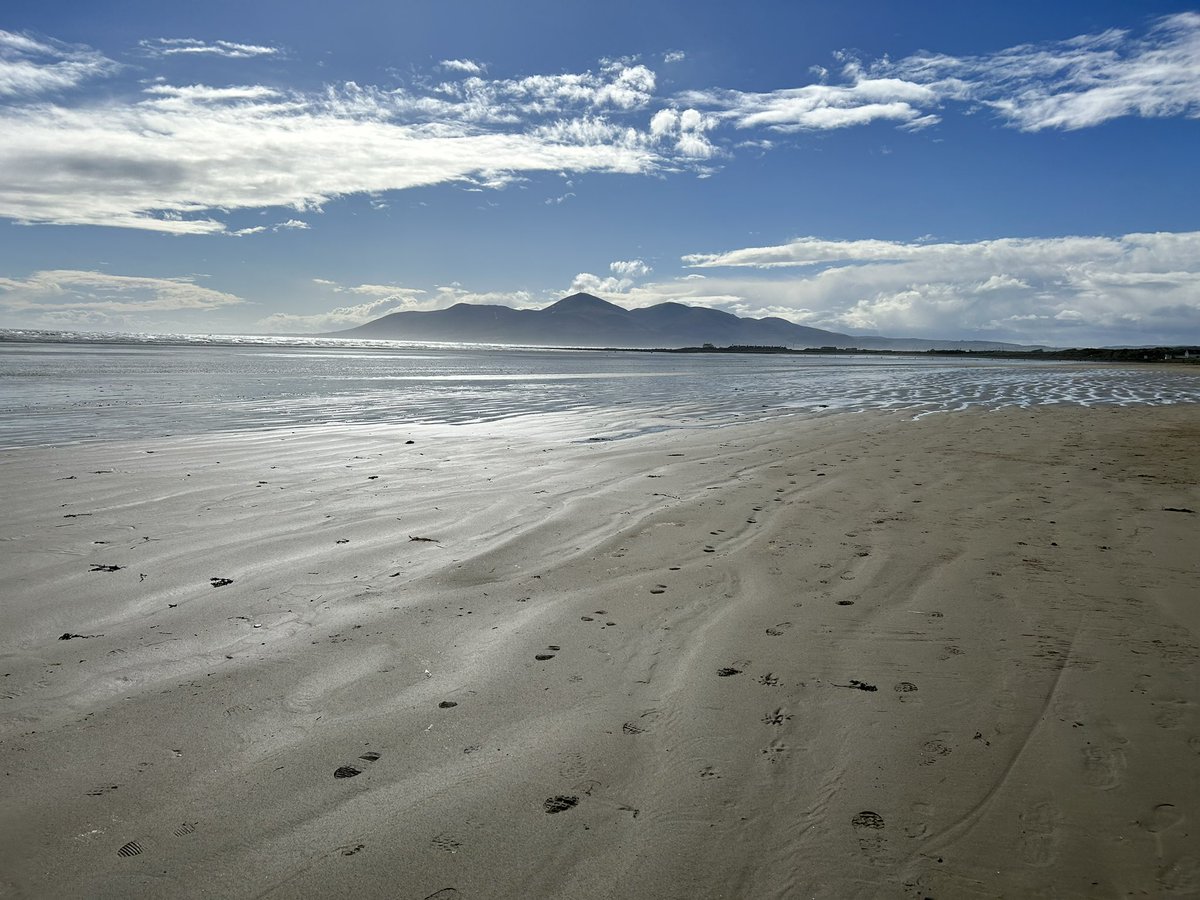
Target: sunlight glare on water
54 393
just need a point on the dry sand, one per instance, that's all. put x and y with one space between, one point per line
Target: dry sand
855 656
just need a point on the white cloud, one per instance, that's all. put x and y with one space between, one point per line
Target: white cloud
818 107
1137 288
289 225
385 299
598 285
194 47
179 158
686 130
1076 83
73 298
29 66
462 65
170 160
176 158
630 268
674 56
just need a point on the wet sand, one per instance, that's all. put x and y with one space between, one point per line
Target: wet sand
854 656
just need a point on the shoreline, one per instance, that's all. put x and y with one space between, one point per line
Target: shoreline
834 656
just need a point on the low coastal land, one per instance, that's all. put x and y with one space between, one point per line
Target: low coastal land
849 656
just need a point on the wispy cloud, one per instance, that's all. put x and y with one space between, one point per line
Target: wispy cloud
76 298
1068 290
1076 83
175 158
385 299
194 47
462 65
29 66
289 225
819 107
169 160
1071 291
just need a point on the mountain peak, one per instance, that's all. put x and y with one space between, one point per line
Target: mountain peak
583 300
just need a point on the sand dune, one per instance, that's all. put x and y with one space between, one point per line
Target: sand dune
851 656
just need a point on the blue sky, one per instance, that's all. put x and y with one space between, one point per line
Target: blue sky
1004 171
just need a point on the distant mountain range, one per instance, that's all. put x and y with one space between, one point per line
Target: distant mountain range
583 320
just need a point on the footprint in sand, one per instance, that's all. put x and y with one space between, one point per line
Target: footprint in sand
447 841
709 773
560 803
867 819
918 825
777 630
1181 877
1169 714
133 848
1103 767
643 724
1162 818
868 826
769 679
775 751
778 717
932 749
350 771
572 765
1040 834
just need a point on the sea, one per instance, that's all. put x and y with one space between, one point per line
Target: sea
65 388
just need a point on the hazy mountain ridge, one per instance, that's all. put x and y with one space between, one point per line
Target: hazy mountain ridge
584 320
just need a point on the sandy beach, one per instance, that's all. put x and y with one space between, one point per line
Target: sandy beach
851 656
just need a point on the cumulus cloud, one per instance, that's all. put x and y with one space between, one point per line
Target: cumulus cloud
686 130
630 268
1137 288
29 66
626 272
194 47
